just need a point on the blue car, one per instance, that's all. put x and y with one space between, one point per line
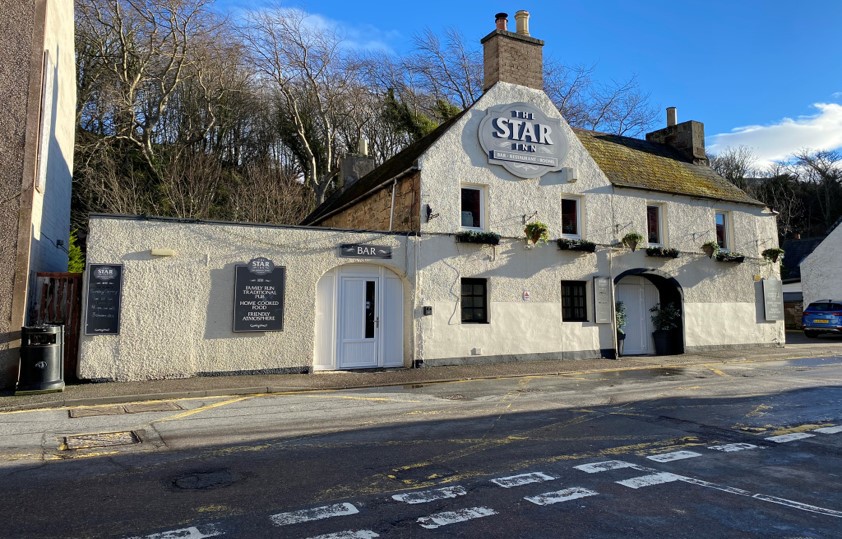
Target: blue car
823 316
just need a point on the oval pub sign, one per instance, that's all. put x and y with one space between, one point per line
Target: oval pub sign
523 140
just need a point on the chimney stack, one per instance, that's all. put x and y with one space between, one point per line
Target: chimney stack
514 57
686 137
355 166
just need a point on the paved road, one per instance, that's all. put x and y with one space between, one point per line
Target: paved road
720 450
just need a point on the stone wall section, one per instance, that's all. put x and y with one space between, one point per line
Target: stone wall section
373 212
508 57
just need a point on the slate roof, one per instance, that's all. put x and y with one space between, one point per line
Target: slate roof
627 162
636 163
796 251
381 175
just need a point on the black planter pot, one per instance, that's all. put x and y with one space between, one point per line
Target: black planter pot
621 341
663 341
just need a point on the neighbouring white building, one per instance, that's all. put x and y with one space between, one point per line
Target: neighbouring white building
820 277
425 259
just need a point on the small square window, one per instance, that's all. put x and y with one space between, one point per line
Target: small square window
472 208
570 225
722 230
474 299
653 225
574 307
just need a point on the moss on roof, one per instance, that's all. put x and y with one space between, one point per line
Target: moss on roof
638 164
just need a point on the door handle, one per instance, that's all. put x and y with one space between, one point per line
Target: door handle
377 322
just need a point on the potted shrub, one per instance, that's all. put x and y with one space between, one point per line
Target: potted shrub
471 236
566 244
774 254
537 232
620 320
710 248
662 252
666 321
631 240
731 256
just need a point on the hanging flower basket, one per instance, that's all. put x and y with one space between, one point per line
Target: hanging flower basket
662 252
774 254
576 245
710 248
488 238
537 232
631 240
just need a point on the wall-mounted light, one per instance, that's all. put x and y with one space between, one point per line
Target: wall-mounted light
162 252
570 175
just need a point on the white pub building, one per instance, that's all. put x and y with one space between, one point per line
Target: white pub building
504 235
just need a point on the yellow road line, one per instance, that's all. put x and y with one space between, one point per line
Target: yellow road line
189 413
716 371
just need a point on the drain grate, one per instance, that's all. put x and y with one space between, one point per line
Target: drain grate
136 408
103 439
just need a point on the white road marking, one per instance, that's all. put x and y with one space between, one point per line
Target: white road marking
349 534
730 448
675 455
454 517
565 495
316 513
430 495
784 438
596 467
830 430
649 480
194 532
522 479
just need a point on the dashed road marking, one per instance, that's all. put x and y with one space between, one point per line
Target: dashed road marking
522 479
559 496
731 448
675 455
454 517
316 513
430 495
649 480
596 467
784 438
349 534
193 532
830 430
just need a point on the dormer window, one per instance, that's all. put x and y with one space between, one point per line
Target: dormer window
473 208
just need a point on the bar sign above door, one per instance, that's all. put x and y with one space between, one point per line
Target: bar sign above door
356 250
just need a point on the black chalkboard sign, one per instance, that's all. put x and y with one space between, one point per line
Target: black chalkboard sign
105 288
259 296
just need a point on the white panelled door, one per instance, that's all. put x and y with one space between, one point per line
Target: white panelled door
359 322
638 296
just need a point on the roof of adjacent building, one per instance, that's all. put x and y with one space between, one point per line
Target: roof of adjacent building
626 161
639 164
795 251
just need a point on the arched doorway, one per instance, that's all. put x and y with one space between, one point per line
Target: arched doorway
639 290
359 318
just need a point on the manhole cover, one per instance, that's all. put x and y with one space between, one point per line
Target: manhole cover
103 439
97 411
142 407
205 480
456 397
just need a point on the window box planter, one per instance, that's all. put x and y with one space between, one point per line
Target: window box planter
662 252
487 238
576 245
730 257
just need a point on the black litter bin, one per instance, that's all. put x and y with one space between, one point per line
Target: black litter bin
41 359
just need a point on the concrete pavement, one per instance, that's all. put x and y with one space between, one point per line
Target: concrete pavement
90 394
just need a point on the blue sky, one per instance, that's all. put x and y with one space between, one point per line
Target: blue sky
766 74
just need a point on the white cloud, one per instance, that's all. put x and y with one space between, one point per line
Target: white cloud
776 142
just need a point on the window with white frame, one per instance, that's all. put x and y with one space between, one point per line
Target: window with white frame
571 218
473 207
723 225
654 224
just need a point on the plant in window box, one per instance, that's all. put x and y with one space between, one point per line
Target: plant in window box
710 248
537 232
566 244
471 236
666 321
731 256
773 254
662 252
632 239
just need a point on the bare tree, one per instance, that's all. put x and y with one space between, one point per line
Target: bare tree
451 71
736 165
822 171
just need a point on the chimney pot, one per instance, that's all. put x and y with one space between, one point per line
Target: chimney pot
522 22
502 21
362 146
672 116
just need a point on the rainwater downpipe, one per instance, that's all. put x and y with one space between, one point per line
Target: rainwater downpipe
392 207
